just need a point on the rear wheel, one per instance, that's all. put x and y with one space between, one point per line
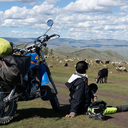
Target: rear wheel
7 109
55 104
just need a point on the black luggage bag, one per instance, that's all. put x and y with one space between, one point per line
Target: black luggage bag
13 67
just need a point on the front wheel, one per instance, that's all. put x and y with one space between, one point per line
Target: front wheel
55 104
48 94
7 109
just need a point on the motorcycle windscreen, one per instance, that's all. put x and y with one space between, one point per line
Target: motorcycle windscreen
43 75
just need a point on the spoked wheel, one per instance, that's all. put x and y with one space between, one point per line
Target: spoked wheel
47 94
55 104
7 109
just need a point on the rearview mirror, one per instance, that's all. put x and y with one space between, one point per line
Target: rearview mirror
50 22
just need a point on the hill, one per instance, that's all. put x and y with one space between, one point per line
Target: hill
119 46
89 53
101 48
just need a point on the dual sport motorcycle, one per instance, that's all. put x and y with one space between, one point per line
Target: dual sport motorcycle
32 78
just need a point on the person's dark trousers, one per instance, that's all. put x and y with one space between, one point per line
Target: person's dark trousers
122 108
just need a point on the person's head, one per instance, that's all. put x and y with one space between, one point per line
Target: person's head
81 67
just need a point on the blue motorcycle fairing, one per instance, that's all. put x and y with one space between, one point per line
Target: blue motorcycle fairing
35 63
34 57
43 73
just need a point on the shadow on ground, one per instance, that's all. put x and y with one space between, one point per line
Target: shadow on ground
41 112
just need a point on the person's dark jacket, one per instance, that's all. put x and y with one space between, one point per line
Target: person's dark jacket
79 95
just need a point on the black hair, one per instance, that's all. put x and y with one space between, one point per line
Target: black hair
81 67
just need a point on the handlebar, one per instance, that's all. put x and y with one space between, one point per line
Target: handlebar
47 38
55 35
37 43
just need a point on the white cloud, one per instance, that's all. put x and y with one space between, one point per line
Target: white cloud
32 2
23 33
52 1
15 15
91 6
124 8
16 12
21 1
85 19
43 8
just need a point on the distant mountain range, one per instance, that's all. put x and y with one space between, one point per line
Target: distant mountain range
117 46
89 53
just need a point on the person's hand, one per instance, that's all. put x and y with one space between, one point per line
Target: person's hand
95 98
70 116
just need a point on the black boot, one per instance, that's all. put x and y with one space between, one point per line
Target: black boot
122 108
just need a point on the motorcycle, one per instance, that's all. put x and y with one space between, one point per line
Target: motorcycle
36 83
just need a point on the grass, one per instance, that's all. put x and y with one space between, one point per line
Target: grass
38 113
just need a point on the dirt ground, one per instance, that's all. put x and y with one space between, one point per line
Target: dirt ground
121 119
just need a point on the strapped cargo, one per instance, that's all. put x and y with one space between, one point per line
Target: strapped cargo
5 47
13 67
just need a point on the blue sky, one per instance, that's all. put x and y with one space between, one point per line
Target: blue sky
76 19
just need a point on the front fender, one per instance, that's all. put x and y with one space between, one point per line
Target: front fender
43 75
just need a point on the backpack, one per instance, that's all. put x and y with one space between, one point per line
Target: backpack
96 110
5 47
